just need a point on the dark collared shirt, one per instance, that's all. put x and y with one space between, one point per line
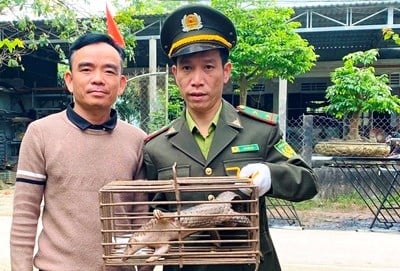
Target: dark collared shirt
83 124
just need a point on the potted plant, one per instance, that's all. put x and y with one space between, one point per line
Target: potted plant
356 90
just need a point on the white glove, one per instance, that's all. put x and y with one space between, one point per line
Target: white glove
260 175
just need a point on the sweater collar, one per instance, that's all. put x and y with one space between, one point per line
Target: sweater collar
83 124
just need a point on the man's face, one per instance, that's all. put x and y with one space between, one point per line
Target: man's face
95 78
200 78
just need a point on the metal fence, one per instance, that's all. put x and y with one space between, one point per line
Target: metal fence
145 101
307 130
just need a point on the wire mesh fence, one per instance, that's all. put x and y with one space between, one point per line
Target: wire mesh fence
145 101
307 130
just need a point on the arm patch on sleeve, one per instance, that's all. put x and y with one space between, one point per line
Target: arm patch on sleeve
285 149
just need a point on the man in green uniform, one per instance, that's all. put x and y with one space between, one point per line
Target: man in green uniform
211 135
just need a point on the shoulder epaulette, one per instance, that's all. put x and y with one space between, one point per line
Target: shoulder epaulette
156 133
260 115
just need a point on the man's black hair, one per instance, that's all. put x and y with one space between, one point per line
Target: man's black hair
92 38
224 55
223 52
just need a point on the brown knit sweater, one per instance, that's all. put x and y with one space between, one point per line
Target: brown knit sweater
66 167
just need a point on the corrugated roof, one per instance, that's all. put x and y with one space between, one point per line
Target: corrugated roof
337 3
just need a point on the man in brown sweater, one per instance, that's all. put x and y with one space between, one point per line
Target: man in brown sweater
64 160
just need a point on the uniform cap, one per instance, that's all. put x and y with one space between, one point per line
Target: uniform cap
196 28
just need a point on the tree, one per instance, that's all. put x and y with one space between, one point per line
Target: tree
356 89
9 54
268 46
389 34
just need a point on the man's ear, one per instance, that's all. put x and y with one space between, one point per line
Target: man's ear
174 70
227 71
123 81
68 81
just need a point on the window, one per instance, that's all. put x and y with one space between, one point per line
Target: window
313 87
394 79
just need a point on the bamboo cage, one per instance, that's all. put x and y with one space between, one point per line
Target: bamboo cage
204 243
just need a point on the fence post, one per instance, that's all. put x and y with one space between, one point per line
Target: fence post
283 106
307 148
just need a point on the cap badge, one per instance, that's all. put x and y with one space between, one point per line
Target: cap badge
191 22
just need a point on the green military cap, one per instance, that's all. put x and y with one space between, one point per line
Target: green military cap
196 28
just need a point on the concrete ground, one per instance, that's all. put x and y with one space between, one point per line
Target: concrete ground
326 250
298 250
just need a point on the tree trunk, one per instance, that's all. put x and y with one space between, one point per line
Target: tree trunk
353 133
243 90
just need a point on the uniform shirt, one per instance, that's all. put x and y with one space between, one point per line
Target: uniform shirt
203 142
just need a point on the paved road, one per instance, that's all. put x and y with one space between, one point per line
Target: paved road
325 250
299 250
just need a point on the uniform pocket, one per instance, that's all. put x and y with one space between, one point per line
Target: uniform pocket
231 166
168 174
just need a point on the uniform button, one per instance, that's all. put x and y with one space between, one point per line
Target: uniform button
208 171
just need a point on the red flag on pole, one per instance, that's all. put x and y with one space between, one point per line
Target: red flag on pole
112 29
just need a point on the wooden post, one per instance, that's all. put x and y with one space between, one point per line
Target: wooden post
307 148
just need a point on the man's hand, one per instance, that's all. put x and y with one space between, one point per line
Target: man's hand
260 175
